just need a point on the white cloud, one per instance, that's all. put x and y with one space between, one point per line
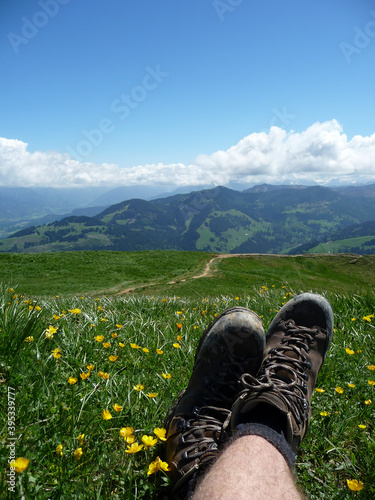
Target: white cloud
322 149
320 153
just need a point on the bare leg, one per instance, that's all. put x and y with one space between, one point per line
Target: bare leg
249 469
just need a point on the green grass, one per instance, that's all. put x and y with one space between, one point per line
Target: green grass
237 275
344 245
64 273
50 412
151 272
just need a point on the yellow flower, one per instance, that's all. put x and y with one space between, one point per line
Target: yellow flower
157 465
178 338
90 367
121 344
145 349
129 439
159 351
318 389
117 407
84 376
354 485
339 390
126 431
59 450
100 373
29 339
114 335
112 358
176 345
56 317
367 318
152 394
368 402
139 387
20 464
118 325
106 415
105 376
371 367
179 326
106 345
324 413
99 338
72 380
134 448
354 319
75 311
351 386
81 438
361 426
371 382
78 453
348 350
134 346
149 441
166 375
49 332
160 433
103 319
56 353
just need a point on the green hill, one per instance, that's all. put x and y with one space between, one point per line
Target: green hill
359 238
268 220
176 273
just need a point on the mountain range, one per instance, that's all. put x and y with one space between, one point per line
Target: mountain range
262 219
22 207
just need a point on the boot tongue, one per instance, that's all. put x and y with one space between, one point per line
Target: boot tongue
284 374
286 353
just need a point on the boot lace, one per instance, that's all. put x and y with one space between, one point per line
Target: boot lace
284 371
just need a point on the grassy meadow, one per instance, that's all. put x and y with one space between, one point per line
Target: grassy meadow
88 374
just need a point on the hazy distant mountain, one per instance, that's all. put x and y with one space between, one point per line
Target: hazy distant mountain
263 188
121 193
23 207
265 220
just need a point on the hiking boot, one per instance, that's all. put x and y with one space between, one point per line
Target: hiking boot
233 344
296 344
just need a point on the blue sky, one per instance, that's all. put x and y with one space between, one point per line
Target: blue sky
186 92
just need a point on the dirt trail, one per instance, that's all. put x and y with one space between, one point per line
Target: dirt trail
206 272
208 269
